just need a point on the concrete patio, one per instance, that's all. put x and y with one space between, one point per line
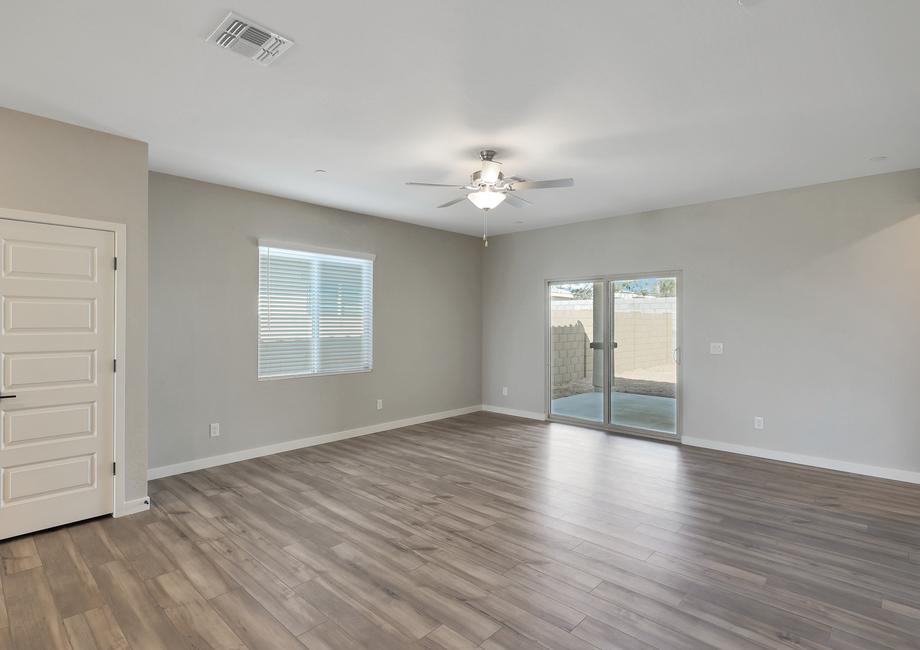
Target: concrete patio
629 410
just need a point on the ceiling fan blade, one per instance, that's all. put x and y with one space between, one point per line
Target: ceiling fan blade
516 201
454 202
436 185
539 185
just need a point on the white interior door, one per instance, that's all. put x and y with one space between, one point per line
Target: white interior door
57 350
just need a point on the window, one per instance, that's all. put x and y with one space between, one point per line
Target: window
315 311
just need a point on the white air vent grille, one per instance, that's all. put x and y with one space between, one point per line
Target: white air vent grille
245 37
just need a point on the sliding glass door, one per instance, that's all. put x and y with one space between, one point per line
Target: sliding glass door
631 383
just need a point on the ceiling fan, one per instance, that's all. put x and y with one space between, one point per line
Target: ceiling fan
489 187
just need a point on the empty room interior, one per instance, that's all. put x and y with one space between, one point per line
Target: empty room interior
502 325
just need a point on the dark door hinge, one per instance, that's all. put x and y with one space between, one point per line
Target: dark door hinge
114 365
115 263
113 469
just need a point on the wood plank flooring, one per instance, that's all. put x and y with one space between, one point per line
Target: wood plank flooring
481 532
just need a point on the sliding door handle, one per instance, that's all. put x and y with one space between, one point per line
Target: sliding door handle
599 345
7 396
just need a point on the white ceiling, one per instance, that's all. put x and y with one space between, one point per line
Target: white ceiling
646 103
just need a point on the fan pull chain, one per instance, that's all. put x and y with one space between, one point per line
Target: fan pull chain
485 228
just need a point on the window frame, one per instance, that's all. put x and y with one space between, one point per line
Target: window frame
320 250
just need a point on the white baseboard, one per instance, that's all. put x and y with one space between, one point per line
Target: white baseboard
530 415
299 443
800 459
132 507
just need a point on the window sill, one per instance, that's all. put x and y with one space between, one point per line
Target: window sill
317 374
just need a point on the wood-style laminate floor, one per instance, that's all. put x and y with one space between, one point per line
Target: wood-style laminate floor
482 531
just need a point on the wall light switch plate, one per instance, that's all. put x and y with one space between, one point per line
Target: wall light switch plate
214 429
379 404
716 348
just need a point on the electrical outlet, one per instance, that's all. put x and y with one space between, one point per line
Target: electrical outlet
758 422
379 404
215 429
716 348
505 391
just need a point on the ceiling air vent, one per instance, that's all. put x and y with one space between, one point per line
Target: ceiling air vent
250 39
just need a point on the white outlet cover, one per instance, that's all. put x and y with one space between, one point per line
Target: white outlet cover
379 404
758 422
214 429
505 391
716 348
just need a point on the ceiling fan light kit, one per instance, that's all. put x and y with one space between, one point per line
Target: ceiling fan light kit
486 199
489 187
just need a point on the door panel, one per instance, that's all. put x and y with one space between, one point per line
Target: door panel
48 369
26 426
45 260
46 480
41 315
577 350
57 288
643 367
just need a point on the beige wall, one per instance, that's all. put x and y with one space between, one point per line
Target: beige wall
573 358
644 340
793 283
203 327
58 168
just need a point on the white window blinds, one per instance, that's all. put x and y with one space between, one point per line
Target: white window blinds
315 312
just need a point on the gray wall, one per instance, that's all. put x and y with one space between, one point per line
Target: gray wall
203 259
58 168
813 291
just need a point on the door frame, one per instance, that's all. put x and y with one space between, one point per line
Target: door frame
607 307
120 507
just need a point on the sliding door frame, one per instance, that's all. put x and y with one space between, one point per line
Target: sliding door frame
607 305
